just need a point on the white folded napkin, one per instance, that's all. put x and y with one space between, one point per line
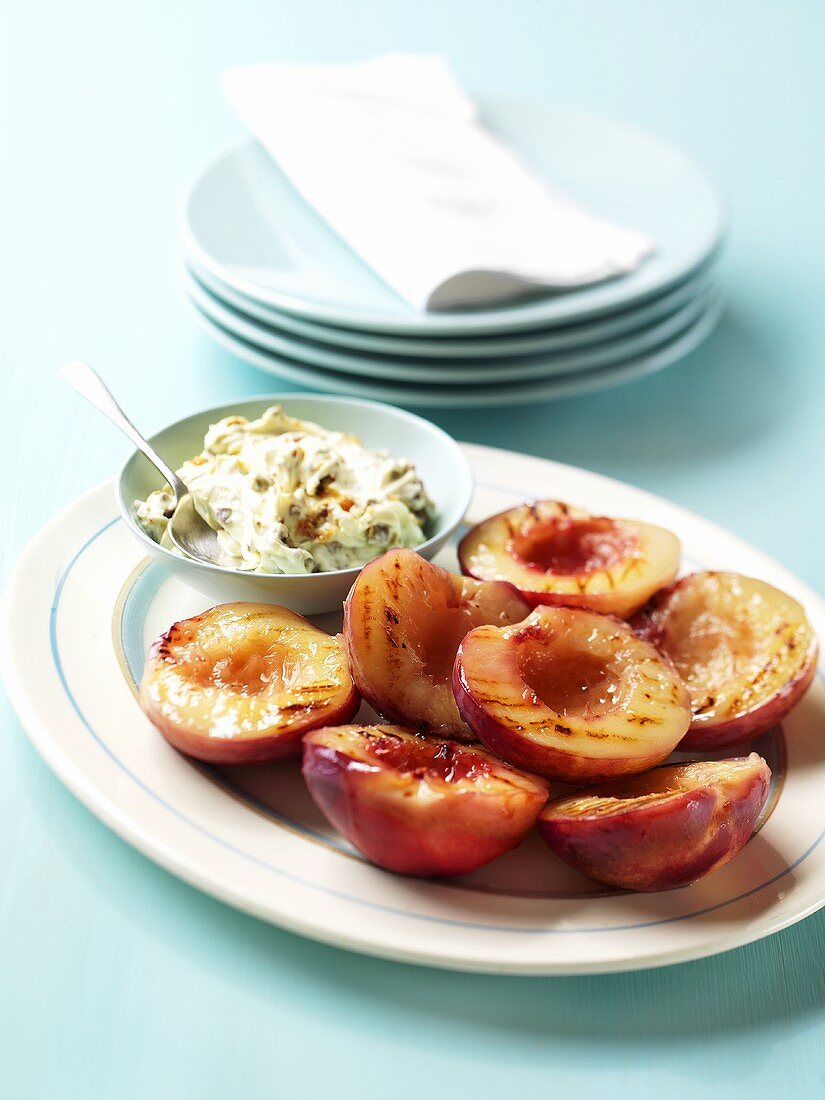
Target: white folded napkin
391 153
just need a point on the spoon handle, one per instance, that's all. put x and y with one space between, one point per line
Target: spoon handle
87 382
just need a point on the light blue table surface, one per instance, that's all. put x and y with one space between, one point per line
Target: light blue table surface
116 980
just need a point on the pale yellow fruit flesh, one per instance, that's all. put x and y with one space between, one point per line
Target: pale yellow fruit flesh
244 671
560 553
736 642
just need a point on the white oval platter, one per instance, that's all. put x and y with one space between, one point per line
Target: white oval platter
83 604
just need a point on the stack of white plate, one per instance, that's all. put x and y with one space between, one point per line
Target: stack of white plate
271 282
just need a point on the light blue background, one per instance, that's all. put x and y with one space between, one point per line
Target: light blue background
116 980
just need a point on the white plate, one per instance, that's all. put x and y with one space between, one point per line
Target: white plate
246 225
79 611
473 393
536 342
440 372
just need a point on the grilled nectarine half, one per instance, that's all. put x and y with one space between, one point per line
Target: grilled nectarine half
570 694
415 804
663 829
745 650
242 683
403 621
556 554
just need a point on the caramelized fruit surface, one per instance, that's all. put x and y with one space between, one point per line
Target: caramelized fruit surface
242 682
418 805
557 554
659 830
570 694
745 650
403 622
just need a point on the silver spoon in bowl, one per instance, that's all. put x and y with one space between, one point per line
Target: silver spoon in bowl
188 530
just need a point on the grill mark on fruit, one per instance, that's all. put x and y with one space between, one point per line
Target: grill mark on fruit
762 674
366 612
480 683
177 636
477 697
708 703
392 579
541 726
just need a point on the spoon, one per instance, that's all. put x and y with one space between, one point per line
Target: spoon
188 530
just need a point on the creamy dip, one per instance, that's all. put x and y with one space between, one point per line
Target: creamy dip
288 496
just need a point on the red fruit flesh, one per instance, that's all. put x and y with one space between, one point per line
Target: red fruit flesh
663 829
242 683
556 554
571 695
746 652
403 621
417 805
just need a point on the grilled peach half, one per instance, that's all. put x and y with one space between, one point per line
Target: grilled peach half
571 695
663 829
403 621
415 804
556 554
745 650
243 682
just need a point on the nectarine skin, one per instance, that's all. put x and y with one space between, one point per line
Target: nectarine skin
752 658
416 805
563 556
660 830
570 695
403 621
242 683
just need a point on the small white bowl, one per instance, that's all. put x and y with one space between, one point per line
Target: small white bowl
438 459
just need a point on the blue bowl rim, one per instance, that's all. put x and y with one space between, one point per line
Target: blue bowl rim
446 525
